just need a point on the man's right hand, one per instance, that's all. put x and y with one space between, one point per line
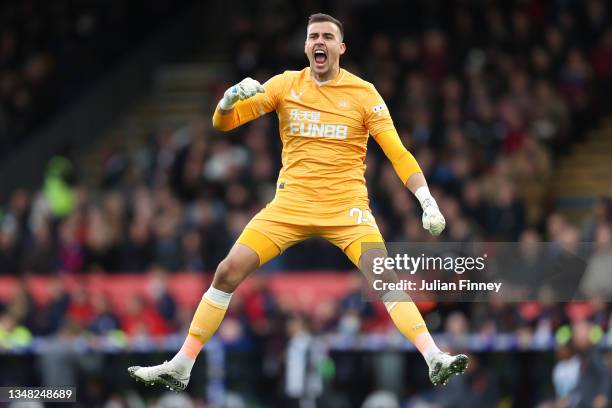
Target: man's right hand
244 89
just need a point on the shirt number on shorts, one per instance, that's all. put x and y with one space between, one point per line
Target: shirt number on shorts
362 216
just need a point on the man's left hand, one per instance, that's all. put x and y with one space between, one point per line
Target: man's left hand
433 220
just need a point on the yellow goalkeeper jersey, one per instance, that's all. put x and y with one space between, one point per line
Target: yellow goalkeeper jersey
324 131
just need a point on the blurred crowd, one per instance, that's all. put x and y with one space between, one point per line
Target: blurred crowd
50 52
486 102
486 98
266 338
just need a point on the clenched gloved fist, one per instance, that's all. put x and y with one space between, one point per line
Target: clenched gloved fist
244 89
433 220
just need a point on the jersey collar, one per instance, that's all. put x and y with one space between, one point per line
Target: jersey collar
329 82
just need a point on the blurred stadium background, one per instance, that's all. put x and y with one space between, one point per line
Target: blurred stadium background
117 199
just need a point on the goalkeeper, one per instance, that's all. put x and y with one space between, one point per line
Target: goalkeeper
326 115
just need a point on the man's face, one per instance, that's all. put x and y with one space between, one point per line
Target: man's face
323 48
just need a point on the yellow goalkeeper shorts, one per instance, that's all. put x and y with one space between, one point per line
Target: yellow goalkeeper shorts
268 236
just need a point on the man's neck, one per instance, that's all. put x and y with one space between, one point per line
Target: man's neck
322 79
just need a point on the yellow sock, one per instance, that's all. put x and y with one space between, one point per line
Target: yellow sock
407 318
410 323
206 320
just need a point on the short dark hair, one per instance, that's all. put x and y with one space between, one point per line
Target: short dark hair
321 17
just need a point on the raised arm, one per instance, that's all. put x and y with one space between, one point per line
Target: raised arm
410 173
230 113
246 101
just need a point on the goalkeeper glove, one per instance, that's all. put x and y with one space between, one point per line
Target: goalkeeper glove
433 220
244 89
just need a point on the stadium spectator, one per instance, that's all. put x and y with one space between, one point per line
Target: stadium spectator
596 281
601 215
142 321
80 310
164 303
191 244
136 250
39 255
104 319
593 384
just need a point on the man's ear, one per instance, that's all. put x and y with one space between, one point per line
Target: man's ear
342 48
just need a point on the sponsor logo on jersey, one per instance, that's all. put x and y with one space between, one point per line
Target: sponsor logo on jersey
304 115
307 123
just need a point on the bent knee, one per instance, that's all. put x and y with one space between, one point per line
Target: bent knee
229 275
366 262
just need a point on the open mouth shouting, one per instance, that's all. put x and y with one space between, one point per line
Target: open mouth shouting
320 58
